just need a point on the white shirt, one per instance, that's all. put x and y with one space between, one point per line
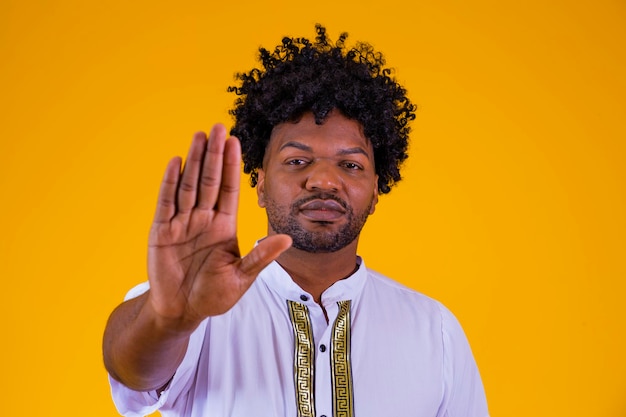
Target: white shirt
390 351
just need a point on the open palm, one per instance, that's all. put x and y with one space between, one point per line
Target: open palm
194 265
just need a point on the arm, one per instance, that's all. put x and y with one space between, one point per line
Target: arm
194 265
464 393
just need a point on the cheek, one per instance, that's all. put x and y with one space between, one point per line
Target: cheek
368 200
274 191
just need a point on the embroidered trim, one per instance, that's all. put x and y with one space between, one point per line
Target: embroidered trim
303 363
341 368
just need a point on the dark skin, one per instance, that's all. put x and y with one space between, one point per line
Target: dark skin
194 265
305 159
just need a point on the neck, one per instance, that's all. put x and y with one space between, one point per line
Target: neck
315 272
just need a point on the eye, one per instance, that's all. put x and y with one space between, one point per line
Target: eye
352 165
296 162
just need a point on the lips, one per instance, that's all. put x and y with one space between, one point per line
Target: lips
322 210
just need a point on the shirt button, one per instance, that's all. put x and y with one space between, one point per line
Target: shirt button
322 348
303 297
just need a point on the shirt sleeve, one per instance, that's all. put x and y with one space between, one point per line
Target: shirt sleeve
131 403
464 395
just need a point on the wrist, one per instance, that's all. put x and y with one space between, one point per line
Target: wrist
166 323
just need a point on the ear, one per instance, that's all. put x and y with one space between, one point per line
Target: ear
260 187
375 198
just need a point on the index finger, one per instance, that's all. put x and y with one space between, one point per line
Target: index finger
228 200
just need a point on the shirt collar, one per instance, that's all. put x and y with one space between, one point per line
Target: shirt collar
275 277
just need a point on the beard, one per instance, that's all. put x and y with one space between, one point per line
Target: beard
325 240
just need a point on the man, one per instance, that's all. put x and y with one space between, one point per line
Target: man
299 326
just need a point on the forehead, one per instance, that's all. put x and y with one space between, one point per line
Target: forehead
336 133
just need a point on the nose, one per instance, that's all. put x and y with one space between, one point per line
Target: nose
323 176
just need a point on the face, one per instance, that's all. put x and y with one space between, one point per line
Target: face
318 183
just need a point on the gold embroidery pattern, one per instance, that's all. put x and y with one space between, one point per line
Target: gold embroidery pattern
303 358
341 370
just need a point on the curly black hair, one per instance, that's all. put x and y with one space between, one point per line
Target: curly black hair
301 76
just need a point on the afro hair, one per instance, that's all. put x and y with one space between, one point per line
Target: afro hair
301 76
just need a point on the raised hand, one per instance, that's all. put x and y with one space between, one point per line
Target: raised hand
194 264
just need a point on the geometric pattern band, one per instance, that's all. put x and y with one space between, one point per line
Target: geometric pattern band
304 360
341 368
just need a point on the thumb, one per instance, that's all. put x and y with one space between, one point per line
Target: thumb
264 253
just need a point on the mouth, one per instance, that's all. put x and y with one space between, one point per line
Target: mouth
322 210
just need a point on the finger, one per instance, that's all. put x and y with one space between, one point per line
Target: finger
188 187
166 203
263 254
211 177
228 199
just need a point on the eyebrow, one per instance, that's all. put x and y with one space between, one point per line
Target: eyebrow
342 152
352 151
297 145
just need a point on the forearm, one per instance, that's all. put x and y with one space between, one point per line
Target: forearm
140 350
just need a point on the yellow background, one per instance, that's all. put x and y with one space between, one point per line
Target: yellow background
512 211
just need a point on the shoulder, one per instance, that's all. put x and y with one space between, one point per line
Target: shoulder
397 292
390 294
137 290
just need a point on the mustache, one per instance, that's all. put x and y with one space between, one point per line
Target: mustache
319 196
